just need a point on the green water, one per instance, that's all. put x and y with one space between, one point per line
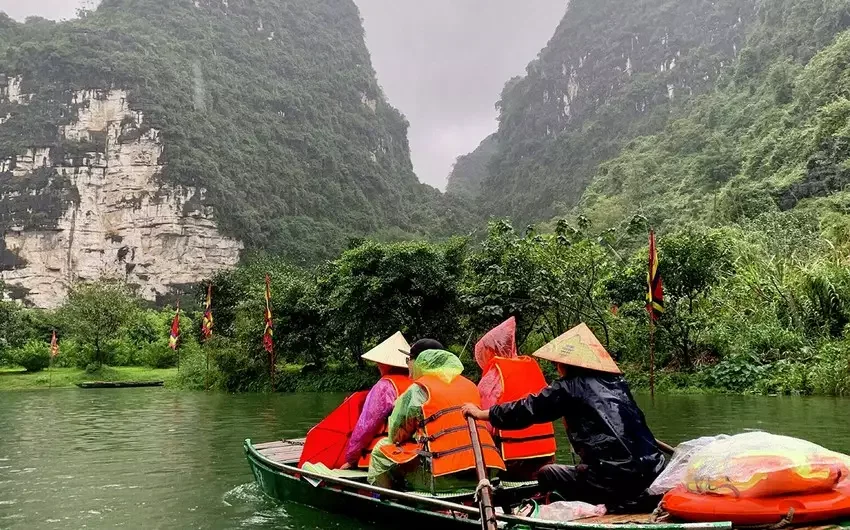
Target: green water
153 458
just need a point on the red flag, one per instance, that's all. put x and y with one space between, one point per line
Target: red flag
655 291
175 329
54 345
268 343
207 323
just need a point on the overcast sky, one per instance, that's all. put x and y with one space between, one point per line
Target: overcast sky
441 62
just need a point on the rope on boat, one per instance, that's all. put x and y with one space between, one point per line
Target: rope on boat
785 522
659 515
483 483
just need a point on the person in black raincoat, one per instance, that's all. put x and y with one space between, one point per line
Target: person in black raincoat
619 455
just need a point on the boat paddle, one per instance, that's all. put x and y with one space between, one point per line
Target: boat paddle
484 491
666 448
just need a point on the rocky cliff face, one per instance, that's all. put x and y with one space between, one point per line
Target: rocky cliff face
105 211
266 112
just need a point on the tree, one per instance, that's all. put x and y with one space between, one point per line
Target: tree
376 289
690 264
94 313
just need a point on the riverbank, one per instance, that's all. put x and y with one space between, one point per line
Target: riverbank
18 379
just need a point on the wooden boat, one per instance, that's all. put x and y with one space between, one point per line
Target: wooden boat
118 384
274 465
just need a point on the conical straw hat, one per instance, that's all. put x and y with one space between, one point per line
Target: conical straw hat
579 347
388 352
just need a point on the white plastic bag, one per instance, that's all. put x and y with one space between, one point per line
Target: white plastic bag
760 464
674 473
570 511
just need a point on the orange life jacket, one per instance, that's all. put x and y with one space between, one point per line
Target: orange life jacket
521 377
443 436
401 383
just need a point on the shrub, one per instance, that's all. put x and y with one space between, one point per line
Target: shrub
192 373
158 355
34 356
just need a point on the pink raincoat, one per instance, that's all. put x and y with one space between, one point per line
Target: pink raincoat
376 409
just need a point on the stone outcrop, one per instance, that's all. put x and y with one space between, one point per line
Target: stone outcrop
121 221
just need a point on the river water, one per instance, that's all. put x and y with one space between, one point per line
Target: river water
155 458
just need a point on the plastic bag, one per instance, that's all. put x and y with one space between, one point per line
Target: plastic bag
760 464
570 511
674 474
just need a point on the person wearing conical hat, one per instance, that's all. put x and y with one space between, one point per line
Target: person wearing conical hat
619 455
395 379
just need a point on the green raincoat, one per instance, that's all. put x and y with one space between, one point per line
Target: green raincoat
403 424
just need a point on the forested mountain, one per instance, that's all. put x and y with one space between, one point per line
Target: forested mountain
676 110
270 107
470 170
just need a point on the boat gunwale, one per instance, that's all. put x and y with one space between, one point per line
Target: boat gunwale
291 472
273 467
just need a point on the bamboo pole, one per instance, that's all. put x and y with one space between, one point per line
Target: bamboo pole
485 490
651 356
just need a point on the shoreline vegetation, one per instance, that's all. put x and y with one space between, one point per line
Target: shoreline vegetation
758 307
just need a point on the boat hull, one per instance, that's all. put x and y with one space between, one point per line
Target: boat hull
278 477
283 486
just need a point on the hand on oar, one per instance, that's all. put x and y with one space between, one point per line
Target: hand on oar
474 411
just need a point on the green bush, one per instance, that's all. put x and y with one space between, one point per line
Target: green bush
193 373
158 354
830 372
34 356
71 354
737 373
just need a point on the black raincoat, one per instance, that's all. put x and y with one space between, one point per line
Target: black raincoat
604 424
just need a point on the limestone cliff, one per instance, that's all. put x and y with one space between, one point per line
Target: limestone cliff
116 218
266 113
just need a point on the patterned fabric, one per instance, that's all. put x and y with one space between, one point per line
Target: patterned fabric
655 290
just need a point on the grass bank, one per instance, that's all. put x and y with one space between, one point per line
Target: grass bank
18 379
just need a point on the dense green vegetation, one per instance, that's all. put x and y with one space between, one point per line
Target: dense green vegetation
271 106
715 124
724 125
773 137
757 306
613 71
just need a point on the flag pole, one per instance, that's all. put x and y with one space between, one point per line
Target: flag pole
206 333
50 362
651 357
654 305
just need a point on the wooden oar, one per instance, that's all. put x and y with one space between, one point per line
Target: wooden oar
484 492
667 448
